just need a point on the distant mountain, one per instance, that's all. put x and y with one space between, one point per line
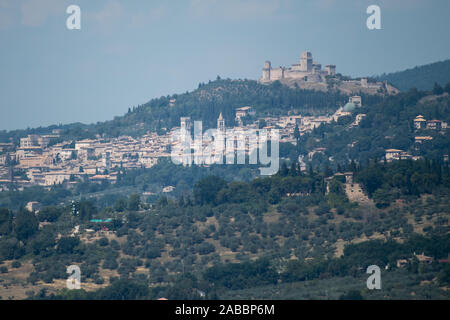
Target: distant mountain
420 77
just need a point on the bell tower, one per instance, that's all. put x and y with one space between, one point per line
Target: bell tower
221 123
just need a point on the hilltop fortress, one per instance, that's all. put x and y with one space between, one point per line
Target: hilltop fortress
309 74
306 70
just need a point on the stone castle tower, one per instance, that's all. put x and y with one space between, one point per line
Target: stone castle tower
306 61
307 70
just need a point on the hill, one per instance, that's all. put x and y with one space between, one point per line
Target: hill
220 96
387 124
205 103
230 236
420 77
225 95
285 233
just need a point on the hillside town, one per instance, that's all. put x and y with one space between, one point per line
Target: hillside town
37 161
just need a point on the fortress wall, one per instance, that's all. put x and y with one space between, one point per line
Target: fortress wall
295 74
266 74
276 74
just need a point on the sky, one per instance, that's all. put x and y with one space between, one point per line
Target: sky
128 52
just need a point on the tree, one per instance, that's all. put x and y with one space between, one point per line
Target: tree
120 205
153 253
437 89
328 172
262 123
103 242
26 224
44 241
123 290
352 295
5 221
50 214
382 198
110 263
10 248
293 170
284 170
134 202
206 190
67 244
205 248
447 87
296 133
444 275
87 210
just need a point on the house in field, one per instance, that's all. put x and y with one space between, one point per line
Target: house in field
33 206
420 122
434 125
245 111
423 258
402 263
393 154
356 100
168 189
421 139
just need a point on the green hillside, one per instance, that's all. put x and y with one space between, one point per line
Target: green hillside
231 236
225 95
420 77
388 124
210 99
205 103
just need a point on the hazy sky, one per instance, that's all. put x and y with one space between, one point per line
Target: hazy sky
128 52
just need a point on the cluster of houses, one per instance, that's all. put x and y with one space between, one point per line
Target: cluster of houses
421 126
44 164
306 124
41 162
421 123
421 258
